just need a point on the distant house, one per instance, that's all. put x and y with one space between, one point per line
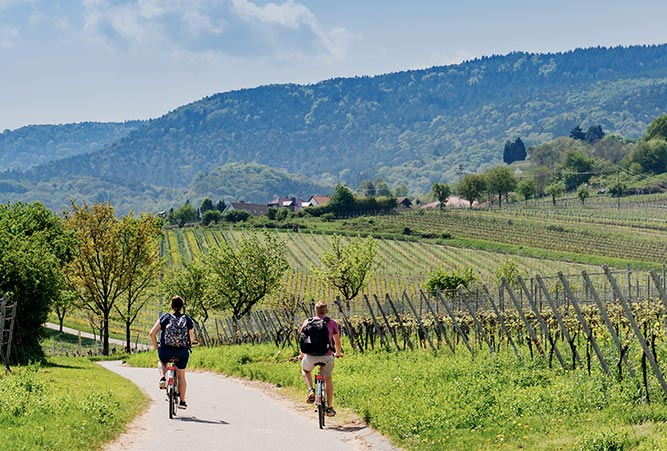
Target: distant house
292 203
253 209
314 201
431 205
404 202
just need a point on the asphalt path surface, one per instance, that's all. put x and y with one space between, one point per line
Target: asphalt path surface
230 414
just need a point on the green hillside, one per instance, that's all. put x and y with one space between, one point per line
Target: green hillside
414 127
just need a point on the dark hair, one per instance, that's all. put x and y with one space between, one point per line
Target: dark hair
177 304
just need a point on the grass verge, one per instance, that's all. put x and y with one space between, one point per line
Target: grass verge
66 404
454 402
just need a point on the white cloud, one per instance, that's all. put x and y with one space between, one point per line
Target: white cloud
288 14
8 37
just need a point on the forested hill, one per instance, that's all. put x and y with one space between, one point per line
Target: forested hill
413 127
28 146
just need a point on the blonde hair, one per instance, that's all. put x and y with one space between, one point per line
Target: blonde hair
321 308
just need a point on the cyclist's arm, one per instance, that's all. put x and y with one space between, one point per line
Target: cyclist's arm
193 342
339 347
153 333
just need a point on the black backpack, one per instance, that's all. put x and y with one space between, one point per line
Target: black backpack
314 338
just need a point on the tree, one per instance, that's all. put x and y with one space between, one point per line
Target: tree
651 155
104 268
594 134
471 187
442 280
244 272
441 191
139 241
500 180
190 281
347 266
206 205
514 151
656 129
576 169
555 190
401 190
62 304
34 249
184 214
342 200
366 188
583 193
577 133
526 188
210 216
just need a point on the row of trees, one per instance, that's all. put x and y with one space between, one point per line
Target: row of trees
110 267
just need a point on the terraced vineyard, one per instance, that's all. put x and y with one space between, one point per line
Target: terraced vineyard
542 229
403 264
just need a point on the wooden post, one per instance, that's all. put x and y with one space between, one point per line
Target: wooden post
454 321
375 323
435 318
501 319
584 323
559 319
479 325
635 328
419 320
517 305
406 336
607 322
386 321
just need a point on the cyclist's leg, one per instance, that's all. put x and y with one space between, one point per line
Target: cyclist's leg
307 365
180 373
327 371
182 383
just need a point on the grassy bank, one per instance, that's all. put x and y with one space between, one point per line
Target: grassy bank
445 402
67 404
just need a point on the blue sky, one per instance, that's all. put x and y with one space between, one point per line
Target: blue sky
115 60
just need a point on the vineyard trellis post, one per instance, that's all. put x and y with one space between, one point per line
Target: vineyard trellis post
622 351
375 323
352 335
437 321
386 321
441 298
582 320
540 320
637 331
522 315
419 321
559 319
478 324
406 336
501 319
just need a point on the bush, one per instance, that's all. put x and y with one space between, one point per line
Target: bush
443 281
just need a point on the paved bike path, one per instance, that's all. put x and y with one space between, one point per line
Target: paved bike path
226 414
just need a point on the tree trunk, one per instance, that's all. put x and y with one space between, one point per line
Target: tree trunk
105 334
128 338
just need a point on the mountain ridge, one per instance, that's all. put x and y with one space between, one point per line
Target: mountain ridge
413 127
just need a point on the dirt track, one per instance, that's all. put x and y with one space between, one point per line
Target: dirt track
228 414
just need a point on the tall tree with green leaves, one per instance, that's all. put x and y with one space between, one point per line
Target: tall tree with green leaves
500 180
105 265
656 129
441 192
555 190
34 249
526 188
577 168
140 243
347 266
190 281
242 273
342 200
471 187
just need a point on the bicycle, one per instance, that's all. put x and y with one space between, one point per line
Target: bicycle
172 387
320 394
